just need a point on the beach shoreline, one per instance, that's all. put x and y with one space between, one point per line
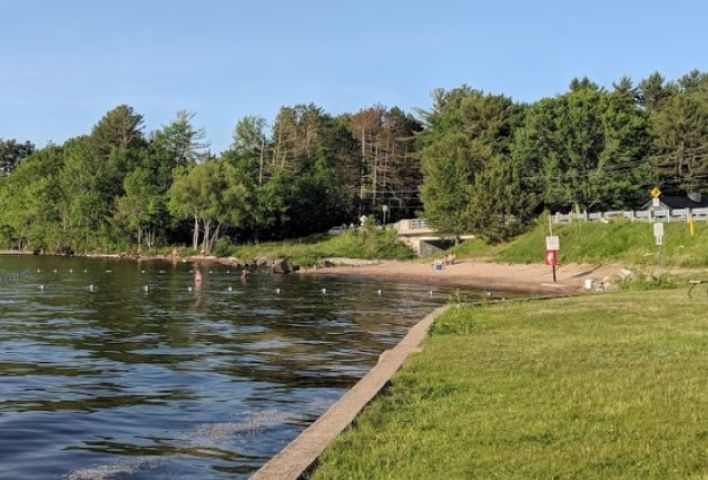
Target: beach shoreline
481 274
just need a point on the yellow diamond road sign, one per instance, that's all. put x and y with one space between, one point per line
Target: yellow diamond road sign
655 192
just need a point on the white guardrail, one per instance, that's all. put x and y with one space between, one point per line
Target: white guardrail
417 224
658 215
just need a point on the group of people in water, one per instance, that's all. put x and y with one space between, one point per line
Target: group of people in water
198 278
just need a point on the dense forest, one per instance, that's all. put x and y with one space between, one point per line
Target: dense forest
473 161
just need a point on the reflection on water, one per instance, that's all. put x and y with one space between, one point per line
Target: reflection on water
162 382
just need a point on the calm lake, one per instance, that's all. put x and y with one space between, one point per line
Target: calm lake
123 383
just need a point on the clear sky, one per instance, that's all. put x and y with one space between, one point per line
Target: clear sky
63 64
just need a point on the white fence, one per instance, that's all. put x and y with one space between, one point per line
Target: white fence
658 215
417 224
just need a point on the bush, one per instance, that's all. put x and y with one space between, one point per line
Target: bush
223 248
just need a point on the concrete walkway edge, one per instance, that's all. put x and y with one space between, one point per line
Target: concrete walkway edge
300 454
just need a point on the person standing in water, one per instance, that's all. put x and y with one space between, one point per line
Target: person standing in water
198 279
244 275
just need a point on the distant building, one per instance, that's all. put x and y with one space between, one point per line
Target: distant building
677 202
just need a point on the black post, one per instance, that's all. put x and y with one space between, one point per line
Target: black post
554 273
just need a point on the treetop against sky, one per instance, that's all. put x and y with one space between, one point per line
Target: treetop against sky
67 63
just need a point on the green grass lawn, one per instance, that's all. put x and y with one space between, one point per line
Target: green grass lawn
602 386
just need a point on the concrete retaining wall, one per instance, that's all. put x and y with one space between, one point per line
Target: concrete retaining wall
300 454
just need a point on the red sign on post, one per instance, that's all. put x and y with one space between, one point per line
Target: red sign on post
551 257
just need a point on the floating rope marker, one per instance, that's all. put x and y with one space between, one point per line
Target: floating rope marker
324 291
231 289
277 291
380 292
41 287
92 288
146 288
189 289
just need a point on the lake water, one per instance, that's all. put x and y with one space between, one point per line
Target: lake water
123 383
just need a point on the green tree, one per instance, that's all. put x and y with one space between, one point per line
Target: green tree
120 127
499 208
88 185
448 172
211 194
184 143
680 131
28 202
465 130
137 210
584 149
653 91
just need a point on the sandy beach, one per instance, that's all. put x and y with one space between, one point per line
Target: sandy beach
482 274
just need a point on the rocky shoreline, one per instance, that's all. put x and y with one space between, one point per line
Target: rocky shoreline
282 265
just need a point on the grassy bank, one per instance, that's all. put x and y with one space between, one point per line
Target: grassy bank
621 241
610 386
617 241
378 244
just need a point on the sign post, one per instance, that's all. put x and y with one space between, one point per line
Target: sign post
550 256
658 226
659 233
691 225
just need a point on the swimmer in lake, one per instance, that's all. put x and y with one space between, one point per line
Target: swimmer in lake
244 275
198 279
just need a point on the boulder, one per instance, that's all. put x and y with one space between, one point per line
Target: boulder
347 262
283 265
625 274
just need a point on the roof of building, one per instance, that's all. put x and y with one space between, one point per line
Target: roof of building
677 201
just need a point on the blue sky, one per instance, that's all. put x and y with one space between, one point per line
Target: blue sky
63 64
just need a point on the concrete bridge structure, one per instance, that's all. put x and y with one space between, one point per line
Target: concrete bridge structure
416 233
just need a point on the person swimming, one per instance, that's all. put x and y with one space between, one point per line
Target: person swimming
244 275
198 279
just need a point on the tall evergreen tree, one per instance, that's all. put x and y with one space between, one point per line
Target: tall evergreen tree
465 130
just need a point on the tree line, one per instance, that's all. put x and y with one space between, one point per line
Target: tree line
473 161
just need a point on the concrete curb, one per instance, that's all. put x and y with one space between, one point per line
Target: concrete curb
300 454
